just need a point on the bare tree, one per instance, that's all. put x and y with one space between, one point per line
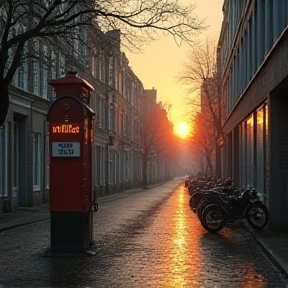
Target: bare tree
156 134
202 142
140 21
167 141
200 74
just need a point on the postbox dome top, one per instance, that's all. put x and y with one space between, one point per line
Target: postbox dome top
71 78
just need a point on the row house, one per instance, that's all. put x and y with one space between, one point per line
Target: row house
24 155
253 59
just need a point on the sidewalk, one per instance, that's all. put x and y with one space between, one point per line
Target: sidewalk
274 244
27 215
24 216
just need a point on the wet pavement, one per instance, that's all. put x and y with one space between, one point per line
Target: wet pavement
145 238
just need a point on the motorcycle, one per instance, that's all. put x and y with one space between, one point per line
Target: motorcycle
225 188
195 185
218 210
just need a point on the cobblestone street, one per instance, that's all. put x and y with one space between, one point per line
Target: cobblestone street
145 239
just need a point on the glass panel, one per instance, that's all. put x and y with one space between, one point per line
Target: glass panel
260 150
36 69
243 161
45 73
250 152
3 161
61 67
53 65
36 159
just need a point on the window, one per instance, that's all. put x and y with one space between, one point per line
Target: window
20 78
94 64
53 65
102 69
111 72
260 150
36 160
100 113
111 118
61 67
250 151
120 82
82 49
45 73
243 154
126 126
36 68
3 161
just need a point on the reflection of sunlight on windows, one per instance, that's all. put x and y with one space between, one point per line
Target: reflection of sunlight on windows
266 115
260 117
250 121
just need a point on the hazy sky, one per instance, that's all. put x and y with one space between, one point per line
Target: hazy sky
162 62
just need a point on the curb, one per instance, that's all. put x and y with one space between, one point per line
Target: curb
21 223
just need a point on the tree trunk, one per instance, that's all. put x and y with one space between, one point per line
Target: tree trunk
218 168
209 166
4 94
145 166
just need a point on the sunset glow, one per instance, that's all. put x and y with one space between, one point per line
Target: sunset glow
182 129
166 69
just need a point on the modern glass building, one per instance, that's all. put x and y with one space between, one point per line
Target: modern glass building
253 62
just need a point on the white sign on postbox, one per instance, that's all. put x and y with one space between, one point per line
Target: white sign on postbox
65 149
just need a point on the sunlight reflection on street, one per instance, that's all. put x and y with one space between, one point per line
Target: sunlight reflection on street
182 245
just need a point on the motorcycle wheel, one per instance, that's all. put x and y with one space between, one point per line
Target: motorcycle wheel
203 203
213 218
257 215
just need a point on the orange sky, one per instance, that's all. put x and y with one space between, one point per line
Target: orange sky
162 61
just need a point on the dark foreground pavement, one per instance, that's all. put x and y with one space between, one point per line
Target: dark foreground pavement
274 244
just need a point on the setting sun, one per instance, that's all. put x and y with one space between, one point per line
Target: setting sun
182 129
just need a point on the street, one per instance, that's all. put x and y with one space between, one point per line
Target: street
146 239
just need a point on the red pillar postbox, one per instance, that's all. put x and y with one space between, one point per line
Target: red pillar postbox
70 145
